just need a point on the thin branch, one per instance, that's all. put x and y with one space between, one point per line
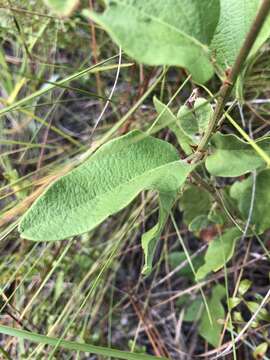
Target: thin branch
232 75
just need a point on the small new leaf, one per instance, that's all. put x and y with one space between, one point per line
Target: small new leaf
219 252
167 118
194 121
244 285
233 302
260 351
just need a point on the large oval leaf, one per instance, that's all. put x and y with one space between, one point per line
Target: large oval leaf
105 184
164 32
233 157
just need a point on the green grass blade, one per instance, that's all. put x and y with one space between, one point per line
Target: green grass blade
48 88
251 142
73 345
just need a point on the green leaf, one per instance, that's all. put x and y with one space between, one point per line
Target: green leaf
75 346
175 258
198 223
106 183
244 285
263 314
211 331
166 118
233 302
62 8
166 200
260 351
194 310
234 23
194 202
220 251
195 123
237 317
241 191
164 32
233 157
217 215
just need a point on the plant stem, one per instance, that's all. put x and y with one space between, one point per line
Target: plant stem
213 193
232 75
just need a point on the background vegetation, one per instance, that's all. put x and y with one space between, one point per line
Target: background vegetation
90 289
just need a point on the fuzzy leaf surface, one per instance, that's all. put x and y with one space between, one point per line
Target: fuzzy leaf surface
164 32
235 20
106 183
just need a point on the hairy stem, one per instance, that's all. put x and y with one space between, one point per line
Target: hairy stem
232 75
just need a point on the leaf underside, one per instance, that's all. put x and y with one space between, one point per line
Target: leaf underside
158 32
233 157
